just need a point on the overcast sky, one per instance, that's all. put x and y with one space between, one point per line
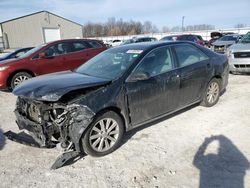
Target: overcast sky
221 13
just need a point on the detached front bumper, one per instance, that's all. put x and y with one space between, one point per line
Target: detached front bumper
50 124
53 123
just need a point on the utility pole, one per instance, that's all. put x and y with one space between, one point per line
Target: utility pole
182 23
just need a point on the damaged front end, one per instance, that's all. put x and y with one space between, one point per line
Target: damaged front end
53 123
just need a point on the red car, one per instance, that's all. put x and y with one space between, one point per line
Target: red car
193 38
47 58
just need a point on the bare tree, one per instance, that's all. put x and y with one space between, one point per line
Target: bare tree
240 25
114 27
147 27
165 29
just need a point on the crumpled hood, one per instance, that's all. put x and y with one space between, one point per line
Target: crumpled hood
52 87
240 47
222 43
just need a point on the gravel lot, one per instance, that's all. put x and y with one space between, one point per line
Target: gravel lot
170 153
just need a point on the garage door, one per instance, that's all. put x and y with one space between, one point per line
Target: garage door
51 34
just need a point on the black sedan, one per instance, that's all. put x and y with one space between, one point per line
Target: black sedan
17 53
89 110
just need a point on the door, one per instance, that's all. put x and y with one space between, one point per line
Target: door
156 95
51 34
55 59
79 54
194 68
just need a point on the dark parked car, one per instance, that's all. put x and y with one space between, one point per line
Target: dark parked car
48 58
15 54
193 38
214 36
88 110
221 44
170 38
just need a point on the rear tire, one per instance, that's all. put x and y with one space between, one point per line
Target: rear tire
104 135
18 78
212 93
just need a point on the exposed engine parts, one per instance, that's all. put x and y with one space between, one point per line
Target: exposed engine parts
51 124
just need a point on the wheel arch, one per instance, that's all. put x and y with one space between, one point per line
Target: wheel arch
118 111
218 77
17 71
114 109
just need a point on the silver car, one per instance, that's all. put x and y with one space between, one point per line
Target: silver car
239 55
221 44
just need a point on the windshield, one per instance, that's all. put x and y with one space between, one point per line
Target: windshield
32 51
228 38
245 38
6 55
110 64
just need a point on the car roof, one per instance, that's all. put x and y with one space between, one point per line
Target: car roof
144 37
151 45
70 40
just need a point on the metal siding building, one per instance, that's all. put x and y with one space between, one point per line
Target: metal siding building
38 28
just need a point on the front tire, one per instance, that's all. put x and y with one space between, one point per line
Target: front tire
18 78
104 134
212 93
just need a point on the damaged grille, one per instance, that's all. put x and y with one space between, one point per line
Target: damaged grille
242 55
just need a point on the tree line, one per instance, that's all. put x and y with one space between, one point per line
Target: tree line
114 27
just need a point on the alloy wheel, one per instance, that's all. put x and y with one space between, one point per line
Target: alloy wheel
20 79
212 92
104 134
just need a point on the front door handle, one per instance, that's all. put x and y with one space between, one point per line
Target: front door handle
175 77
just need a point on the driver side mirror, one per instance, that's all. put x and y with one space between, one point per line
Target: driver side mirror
139 76
42 55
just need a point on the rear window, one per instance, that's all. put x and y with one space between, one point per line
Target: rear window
188 54
228 38
199 37
187 37
95 44
78 46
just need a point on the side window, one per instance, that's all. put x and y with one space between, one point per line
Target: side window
78 46
58 49
187 55
156 62
95 44
18 54
191 38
